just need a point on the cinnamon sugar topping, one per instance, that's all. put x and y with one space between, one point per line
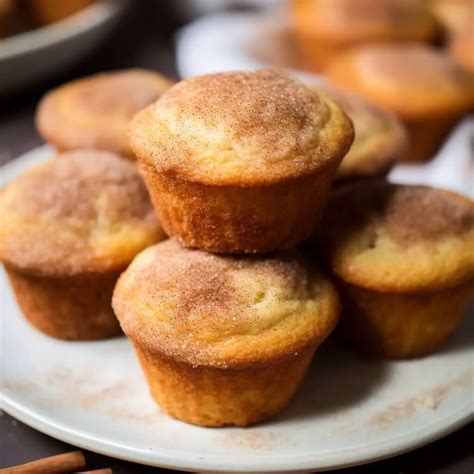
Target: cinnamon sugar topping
199 307
74 211
243 127
407 214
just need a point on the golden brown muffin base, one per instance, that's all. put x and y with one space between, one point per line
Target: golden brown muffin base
70 307
213 397
234 219
400 326
427 135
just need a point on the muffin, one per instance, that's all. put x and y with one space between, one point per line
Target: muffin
6 11
323 28
234 161
461 48
428 90
50 11
223 340
68 228
404 259
380 138
94 112
455 15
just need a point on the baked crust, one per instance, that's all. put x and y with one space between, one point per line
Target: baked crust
242 129
397 325
414 81
455 15
380 138
224 312
95 111
209 396
400 239
80 212
73 308
324 28
461 48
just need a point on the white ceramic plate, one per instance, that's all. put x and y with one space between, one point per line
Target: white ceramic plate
31 56
350 410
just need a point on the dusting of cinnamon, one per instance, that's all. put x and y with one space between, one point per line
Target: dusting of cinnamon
407 214
99 94
196 307
60 214
251 126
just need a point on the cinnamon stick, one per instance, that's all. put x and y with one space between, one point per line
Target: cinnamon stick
61 463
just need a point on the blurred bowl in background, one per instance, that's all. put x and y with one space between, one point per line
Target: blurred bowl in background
28 57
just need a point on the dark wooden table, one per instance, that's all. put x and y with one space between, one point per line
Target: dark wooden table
144 39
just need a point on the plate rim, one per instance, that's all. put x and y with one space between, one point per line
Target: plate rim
174 460
217 463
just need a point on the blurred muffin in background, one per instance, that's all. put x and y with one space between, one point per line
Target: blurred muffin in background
380 138
404 259
95 111
325 27
461 48
7 8
49 11
68 228
423 86
453 15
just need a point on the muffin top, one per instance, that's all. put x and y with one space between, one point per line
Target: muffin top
461 48
241 128
95 112
399 238
347 21
79 212
454 15
411 79
380 138
218 311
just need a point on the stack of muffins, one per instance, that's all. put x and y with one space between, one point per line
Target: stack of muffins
226 315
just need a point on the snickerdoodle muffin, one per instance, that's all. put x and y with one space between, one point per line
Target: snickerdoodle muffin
234 161
223 340
428 90
95 111
68 228
323 28
461 48
50 11
455 15
405 263
380 138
